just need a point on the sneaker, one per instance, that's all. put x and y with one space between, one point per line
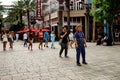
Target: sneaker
4 49
78 64
28 47
60 56
66 56
85 63
39 47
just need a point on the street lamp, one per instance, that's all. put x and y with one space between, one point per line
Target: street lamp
60 12
87 14
88 7
67 3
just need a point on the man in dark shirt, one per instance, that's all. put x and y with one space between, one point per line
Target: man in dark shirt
64 44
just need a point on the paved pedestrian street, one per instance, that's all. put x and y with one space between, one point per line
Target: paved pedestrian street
21 64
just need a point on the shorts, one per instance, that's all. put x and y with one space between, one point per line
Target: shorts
31 41
41 40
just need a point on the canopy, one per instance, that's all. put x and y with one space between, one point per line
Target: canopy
33 30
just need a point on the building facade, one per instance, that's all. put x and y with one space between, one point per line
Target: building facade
54 14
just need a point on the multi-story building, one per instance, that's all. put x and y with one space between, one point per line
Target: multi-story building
55 15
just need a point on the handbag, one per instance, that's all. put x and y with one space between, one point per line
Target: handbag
60 41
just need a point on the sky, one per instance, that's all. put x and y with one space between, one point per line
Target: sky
7 2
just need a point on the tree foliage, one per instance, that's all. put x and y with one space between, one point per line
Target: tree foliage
19 9
105 9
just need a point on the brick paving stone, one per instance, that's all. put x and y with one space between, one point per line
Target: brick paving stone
8 77
21 64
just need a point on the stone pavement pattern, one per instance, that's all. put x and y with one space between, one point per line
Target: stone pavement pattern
21 64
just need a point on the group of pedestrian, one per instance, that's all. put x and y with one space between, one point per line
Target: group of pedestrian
42 36
80 43
66 36
8 37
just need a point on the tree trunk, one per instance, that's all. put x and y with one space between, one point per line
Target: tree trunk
21 17
28 17
94 28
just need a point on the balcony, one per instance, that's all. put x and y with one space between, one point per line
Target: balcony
75 13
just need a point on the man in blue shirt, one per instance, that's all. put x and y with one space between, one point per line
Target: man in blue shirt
80 44
46 37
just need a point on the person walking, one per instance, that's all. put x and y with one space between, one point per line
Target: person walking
64 44
80 44
40 36
71 37
4 40
52 39
10 39
30 40
25 38
46 37
17 36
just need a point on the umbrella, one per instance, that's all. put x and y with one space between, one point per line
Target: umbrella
44 30
22 31
35 30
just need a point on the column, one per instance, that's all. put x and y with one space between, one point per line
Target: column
86 34
93 34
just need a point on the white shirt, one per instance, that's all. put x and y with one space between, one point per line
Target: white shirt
71 36
25 36
17 35
5 38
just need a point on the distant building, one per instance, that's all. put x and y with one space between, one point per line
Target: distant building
55 20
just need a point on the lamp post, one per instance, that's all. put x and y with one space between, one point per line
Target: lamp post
60 16
88 6
50 21
87 29
67 3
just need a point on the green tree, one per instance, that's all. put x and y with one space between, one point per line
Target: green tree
29 5
106 11
16 12
18 7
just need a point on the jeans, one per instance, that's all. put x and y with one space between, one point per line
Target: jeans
25 42
52 45
80 49
64 46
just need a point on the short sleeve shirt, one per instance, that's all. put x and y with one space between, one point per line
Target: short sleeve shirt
80 38
65 39
46 35
52 37
25 36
